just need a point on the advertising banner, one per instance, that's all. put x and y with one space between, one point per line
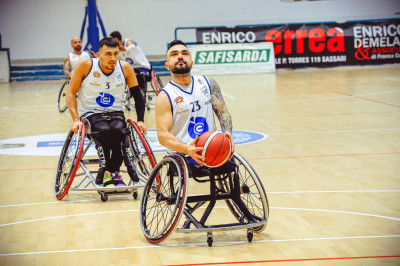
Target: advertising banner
235 58
318 45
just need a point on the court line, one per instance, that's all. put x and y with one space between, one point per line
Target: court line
266 158
325 155
363 98
330 98
196 244
137 210
287 260
389 78
120 199
335 131
228 95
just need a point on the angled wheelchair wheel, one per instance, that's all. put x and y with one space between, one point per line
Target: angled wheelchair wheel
252 193
164 198
68 163
156 82
62 97
141 149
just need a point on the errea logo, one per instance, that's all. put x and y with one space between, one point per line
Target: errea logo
233 56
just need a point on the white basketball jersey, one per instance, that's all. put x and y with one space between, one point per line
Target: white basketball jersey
191 106
100 93
135 56
74 58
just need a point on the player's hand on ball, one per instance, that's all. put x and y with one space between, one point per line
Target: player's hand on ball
194 151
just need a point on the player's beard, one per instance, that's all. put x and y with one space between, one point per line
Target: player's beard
181 69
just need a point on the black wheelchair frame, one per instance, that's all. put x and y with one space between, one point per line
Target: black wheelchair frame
165 198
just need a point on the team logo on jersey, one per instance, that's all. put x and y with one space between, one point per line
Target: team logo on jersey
105 100
96 74
200 81
197 126
129 60
118 76
178 99
204 90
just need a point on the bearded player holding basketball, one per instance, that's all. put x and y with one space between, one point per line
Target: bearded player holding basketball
184 108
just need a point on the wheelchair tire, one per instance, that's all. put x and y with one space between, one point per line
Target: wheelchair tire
164 198
252 193
141 149
156 82
62 97
68 163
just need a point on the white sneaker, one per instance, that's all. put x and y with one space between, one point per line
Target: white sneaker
136 184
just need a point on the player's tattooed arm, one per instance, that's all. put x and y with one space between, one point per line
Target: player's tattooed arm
219 107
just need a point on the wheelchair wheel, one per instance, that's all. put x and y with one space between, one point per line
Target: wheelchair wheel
252 193
164 198
156 82
68 163
62 97
139 146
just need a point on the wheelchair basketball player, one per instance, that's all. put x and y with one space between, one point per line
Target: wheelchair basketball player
101 83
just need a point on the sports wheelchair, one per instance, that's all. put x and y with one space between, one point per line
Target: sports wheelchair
165 198
72 163
62 97
149 94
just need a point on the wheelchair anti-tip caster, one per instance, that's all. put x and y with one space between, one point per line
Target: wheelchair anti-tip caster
103 196
209 239
135 195
249 235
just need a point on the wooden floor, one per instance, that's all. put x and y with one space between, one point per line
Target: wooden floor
330 165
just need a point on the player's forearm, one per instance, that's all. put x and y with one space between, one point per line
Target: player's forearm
171 142
72 106
226 122
67 70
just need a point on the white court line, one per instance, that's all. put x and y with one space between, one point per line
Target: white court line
269 192
137 210
344 212
228 95
66 216
389 78
334 131
333 98
333 191
377 93
199 244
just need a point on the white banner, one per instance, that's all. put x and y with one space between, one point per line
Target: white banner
234 58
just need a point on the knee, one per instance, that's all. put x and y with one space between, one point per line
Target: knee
101 134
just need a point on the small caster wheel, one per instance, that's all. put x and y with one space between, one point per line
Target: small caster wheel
103 197
250 236
135 195
210 239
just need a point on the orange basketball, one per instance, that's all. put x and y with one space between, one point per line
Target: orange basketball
217 148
